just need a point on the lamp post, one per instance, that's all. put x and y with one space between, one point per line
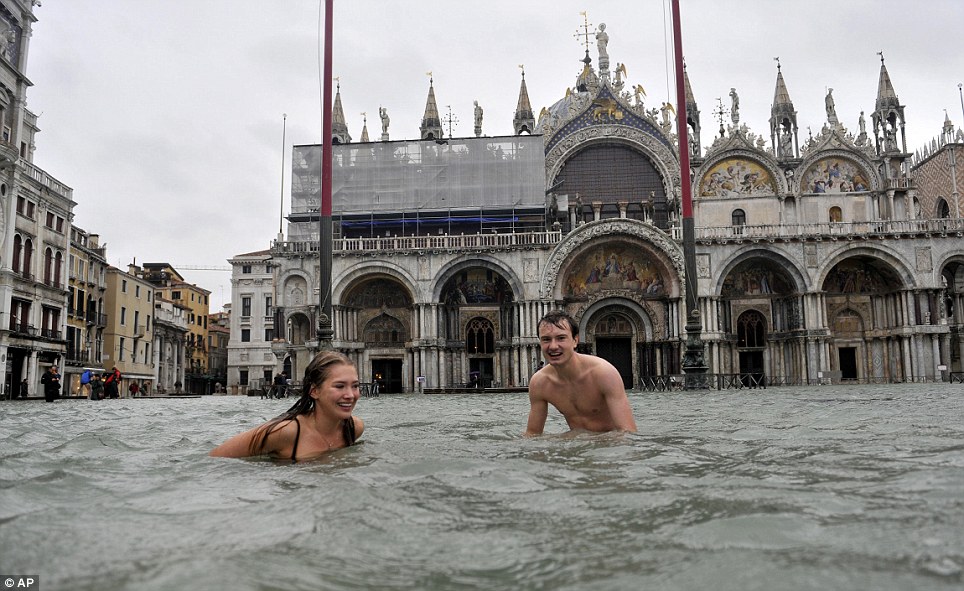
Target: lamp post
326 332
694 365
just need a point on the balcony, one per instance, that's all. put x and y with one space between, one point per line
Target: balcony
50 333
96 319
418 244
22 328
867 230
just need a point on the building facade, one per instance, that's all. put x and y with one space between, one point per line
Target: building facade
251 362
129 336
172 287
817 259
171 335
35 221
86 320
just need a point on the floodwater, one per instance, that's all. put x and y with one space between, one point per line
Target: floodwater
858 487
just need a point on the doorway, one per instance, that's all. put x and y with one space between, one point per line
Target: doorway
751 368
388 374
847 357
619 352
480 372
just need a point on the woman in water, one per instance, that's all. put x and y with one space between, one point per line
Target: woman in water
319 422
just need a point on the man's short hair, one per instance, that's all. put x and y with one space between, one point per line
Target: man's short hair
557 318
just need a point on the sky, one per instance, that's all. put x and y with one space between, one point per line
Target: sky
173 120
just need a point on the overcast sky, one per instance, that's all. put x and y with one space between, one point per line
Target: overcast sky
166 116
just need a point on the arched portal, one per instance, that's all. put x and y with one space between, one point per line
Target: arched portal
380 310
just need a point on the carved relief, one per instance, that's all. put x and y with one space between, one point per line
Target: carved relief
609 228
924 262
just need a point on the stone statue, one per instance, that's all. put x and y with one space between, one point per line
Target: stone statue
831 110
786 144
478 119
383 113
863 124
735 109
602 41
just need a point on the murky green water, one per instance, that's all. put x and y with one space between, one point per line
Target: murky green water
796 488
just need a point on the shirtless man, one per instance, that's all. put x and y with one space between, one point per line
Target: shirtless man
587 390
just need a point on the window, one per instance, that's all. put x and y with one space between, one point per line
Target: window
17 249
266 376
137 318
123 318
739 220
246 306
268 335
58 263
21 205
243 377
123 286
60 224
50 220
148 323
120 356
31 206
175 295
137 291
147 353
836 215
50 323
246 269
19 315
245 335
267 306
148 295
48 265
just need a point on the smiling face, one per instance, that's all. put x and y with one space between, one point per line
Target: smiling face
338 392
557 342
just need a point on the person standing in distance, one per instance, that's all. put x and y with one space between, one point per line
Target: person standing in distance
51 383
586 389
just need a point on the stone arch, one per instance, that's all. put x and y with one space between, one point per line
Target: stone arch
296 291
794 273
749 174
561 259
349 279
645 325
878 258
658 153
384 330
836 171
480 261
299 328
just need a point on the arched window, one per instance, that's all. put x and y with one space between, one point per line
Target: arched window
739 220
27 257
480 337
17 252
943 209
385 330
58 262
48 265
751 330
836 215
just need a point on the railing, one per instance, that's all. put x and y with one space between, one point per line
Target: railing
833 230
50 333
46 180
22 328
425 243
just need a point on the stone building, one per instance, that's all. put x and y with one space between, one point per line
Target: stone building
86 317
817 259
35 221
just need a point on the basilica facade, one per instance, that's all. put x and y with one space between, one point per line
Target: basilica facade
818 259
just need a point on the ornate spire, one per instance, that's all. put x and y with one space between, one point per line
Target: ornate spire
431 127
888 115
339 127
524 119
692 115
783 119
364 131
886 97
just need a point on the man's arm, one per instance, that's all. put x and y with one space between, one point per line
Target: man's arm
617 402
538 411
